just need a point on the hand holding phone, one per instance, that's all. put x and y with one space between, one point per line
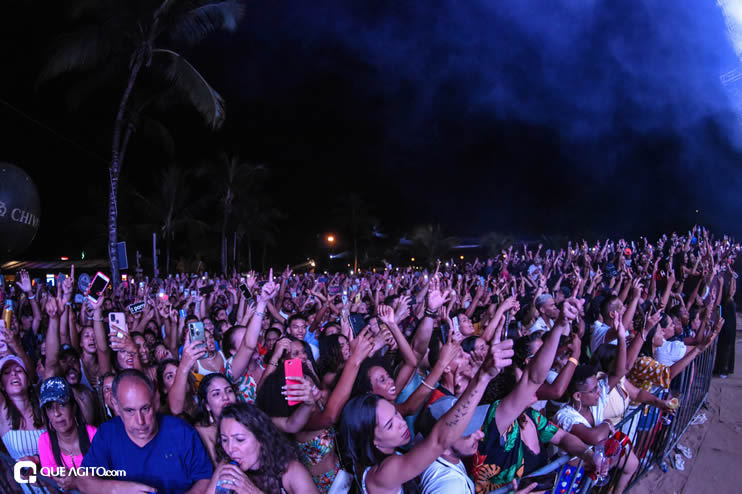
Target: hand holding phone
196 333
98 286
292 368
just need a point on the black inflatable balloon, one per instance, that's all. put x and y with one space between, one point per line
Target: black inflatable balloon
20 211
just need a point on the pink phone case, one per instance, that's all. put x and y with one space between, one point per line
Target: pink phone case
292 368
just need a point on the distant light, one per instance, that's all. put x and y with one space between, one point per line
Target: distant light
446 264
412 259
330 238
83 255
348 265
312 263
462 258
64 258
696 211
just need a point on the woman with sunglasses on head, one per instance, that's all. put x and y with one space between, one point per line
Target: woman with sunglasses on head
68 437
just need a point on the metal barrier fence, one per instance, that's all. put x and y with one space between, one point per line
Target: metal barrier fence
652 434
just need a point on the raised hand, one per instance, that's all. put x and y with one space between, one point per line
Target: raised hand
191 352
500 356
361 347
302 392
386 314
435 297
51 307
24 281
269 290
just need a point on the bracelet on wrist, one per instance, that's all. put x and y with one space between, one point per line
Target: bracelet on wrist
572 360
430 313
427 385
271 363
31 297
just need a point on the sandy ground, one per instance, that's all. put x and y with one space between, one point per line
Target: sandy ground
716 466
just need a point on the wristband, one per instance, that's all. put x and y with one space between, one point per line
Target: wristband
430 313
271 363
573 360
427 385
31 297
261 314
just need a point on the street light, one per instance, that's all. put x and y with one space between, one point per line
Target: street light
330 239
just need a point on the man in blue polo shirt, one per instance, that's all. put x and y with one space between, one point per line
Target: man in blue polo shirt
159 453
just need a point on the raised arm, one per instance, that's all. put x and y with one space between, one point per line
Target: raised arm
619 369
361 348
398 469
535 372
556 390
386 314
24 283
434 300
250 340
177 395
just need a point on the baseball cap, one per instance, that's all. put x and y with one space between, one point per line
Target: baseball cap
442 405
55 389
11 358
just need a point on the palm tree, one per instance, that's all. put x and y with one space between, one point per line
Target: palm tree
430 243
354 217
235 186
172 209
142 34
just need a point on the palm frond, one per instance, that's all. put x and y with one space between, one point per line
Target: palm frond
194 25
77 51
192 86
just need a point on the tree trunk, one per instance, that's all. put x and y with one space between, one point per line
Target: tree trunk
264 248
118 151
249 254
167 256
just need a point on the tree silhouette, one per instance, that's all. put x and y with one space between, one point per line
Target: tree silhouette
142 36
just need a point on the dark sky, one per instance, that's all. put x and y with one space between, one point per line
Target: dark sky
583 116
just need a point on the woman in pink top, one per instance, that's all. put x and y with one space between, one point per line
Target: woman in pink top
68 437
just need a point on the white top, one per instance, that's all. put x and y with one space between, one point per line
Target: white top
567 416
540 325
444 477
204 371
550 378
598 336
20 443
670 352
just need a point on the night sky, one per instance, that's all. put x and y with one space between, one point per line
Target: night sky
586 117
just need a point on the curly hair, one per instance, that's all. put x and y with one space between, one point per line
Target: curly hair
276 451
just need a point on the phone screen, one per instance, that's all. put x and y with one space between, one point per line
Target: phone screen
97 286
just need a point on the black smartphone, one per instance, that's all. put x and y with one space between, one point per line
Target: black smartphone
445 328
357 323
205 290
544 482
245 291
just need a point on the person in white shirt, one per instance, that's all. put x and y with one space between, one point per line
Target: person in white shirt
671 351
447 474
548 312
601 332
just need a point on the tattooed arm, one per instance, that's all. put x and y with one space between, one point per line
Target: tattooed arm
395 470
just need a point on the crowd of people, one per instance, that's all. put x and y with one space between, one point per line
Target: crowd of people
461 378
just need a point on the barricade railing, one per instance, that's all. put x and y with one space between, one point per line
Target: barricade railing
652 434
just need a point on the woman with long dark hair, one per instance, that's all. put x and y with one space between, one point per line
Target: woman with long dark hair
214 393
171 387
21 422
334 350
68 437
252 452
371 430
